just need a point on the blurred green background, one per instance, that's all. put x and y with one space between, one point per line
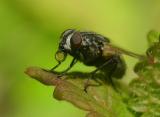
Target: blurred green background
29 36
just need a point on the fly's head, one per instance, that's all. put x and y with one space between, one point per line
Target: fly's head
84 46
71 41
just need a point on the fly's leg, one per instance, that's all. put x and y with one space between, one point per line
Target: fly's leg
113 59
115 62
55 67
87 84
74 61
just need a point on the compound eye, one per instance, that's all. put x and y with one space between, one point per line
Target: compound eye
60 56
76 40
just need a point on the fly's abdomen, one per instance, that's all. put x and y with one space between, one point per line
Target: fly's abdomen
120 68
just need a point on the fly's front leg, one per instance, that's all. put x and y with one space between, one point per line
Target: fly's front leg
74 61
55 67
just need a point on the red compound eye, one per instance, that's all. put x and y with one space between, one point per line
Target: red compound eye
76 40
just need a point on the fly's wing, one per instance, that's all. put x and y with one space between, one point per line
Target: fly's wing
109 50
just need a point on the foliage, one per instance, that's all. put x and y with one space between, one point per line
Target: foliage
144 97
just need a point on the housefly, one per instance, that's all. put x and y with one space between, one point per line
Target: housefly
92 49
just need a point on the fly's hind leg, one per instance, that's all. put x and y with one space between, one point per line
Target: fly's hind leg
109 61
110 76
115 61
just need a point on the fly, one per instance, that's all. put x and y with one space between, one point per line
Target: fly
92 49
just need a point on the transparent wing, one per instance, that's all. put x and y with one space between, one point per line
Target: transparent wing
110 49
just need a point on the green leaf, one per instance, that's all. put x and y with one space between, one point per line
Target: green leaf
145 89
152 37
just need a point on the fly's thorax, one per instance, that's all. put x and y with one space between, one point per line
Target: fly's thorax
90 50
